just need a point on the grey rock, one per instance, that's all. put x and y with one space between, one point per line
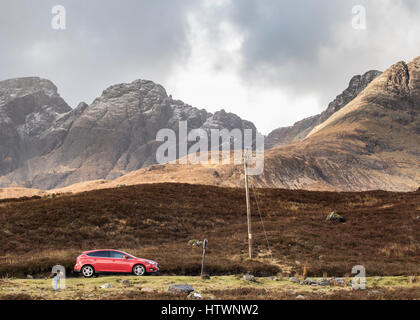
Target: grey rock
28 276
194 296
300 297
126 282
295 280
106 286
309 281
180 288
333 216
340 281
324 282
249 278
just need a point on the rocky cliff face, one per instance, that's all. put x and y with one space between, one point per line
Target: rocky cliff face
46 144
301 129
29 107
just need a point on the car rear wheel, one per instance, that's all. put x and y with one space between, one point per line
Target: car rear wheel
88 271
139 270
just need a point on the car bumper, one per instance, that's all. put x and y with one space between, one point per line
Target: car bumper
76 268
152 269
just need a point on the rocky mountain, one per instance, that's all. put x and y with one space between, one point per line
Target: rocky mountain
367 139
46 144
370 143
300 130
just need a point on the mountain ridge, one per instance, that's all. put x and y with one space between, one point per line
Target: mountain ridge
369 143
112 136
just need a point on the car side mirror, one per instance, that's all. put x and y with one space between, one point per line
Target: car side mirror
126 257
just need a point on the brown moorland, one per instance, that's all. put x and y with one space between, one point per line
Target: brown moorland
156 221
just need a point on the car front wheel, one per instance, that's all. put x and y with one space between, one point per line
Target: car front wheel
139 270
88 271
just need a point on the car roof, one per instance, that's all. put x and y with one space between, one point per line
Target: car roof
102 250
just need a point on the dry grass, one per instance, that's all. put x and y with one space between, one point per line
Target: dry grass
157 221
223 287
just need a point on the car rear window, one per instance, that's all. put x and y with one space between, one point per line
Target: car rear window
117 255
99 254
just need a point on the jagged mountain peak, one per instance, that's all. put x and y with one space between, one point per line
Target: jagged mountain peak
112 136
301 129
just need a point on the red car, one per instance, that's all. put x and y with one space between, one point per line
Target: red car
109 260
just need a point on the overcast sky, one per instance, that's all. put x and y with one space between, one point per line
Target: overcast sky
272 62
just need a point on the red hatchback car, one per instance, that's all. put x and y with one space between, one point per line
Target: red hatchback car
109 260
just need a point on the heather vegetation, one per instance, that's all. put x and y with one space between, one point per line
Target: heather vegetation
381 231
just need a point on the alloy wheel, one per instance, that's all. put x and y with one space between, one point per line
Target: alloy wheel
87 271
139 270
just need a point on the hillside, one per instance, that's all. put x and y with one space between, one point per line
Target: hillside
157 221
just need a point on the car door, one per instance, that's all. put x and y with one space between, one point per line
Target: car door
120 264
103 262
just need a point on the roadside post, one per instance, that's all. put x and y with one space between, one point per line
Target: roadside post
204 256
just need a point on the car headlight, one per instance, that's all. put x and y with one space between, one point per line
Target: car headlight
150 262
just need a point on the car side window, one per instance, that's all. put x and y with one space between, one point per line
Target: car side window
117 255
99 254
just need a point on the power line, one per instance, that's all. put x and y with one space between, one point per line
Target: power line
262 222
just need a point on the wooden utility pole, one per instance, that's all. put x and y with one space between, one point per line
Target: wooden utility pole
204 256
248 208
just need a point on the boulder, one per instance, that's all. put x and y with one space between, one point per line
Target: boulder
309 281
249 278
180 288
294 279
126 282
333 216
324 282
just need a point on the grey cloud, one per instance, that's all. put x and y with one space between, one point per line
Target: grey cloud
105 42
285 42
301 47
